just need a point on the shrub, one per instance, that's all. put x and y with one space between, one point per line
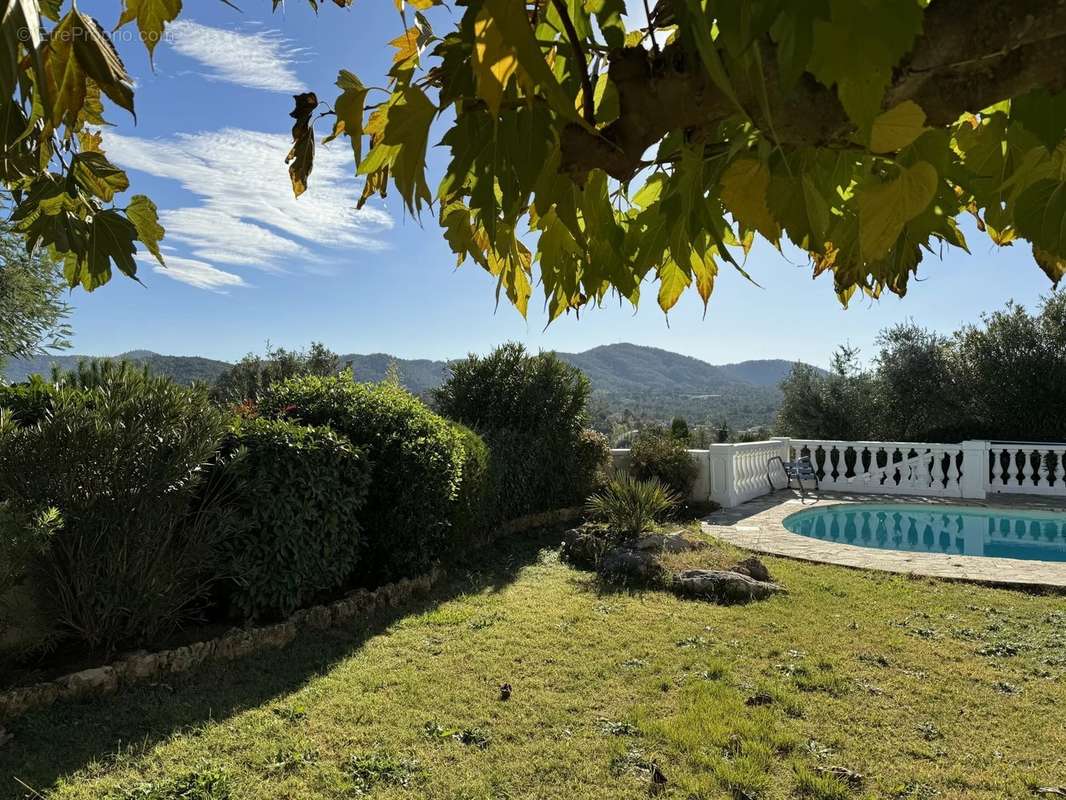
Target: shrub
299 491
471 518
656 455
24 537
531 410
27 402
512 390
631 506
123 464
250 378
416 458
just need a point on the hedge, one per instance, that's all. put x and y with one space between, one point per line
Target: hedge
299 491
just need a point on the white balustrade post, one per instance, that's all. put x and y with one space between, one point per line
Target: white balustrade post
723 475
974 483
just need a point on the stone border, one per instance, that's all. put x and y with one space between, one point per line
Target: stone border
757 525
245 641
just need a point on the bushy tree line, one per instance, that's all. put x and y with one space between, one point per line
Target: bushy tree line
1002 378
131 506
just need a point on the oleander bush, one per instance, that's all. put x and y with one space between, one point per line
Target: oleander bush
532 412
123 462
416 462
658 455
298 491
27 402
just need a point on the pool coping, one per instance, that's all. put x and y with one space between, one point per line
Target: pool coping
757 525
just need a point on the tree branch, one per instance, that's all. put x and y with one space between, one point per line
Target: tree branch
587 97
972 54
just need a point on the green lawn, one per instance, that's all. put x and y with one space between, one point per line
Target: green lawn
927 689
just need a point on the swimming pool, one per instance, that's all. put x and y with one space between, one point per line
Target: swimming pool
951 530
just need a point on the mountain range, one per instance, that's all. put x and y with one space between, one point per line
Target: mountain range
645 381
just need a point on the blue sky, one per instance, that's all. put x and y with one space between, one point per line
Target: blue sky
248 263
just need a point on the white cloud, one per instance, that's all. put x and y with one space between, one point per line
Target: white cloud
262 60
247 214
196 273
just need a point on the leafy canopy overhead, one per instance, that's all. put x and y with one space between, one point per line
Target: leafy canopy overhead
622 149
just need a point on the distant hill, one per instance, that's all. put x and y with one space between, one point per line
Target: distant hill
647 381
183 369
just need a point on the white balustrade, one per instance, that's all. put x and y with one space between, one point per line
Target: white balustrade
1027 468
731 474
918 468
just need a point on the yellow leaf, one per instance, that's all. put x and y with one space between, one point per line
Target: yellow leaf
744 186
706 270
897 127
884 209
152 17
673 280
494 62
406 45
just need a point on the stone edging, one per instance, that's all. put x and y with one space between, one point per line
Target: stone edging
244 641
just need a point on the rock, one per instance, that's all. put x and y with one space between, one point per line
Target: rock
753 568
631 567
583 548
92 681
668 543
723 586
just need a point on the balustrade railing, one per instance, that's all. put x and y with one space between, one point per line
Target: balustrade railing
1027 468
731 474
885 467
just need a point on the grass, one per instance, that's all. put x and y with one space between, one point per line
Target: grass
924 689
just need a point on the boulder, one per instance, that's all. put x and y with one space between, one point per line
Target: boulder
722 585
753 568
668 543
583 548
631 567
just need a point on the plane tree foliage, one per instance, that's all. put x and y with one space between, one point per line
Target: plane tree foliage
599 147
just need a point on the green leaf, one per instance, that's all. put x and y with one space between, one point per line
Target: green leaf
1040 216
857 47
98 176
349 107
1043 114
402 148
144 215
745 183
896 128
885 208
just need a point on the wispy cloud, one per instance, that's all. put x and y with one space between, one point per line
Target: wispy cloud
196 273
262 60
247 214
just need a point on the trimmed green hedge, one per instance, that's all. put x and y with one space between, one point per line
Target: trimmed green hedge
416 456
472 512
299 491
656 454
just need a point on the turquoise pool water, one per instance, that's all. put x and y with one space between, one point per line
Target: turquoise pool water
953 530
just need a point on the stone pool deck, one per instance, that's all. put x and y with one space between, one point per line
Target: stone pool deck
756 525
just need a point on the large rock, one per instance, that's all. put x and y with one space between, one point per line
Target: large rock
668 543
753 568
584 548
626 567
722 586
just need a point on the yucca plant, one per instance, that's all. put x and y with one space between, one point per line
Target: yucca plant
631 506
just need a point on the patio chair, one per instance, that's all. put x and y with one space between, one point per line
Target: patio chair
800 469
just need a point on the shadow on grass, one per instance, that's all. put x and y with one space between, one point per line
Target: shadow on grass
58 740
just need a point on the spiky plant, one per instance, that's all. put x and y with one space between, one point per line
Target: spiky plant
631 506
